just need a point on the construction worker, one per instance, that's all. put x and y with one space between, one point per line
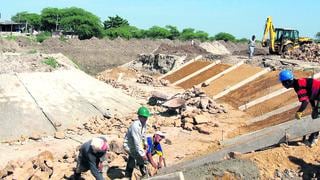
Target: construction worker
251 46
307 90
154 148
134 143
92 156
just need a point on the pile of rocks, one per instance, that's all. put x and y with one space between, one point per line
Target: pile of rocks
196 98
149 80
42 166
195 114
108 126
46 166
306 52
161 63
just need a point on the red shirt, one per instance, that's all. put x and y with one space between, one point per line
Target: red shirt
307 89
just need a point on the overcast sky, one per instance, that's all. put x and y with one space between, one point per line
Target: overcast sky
241 18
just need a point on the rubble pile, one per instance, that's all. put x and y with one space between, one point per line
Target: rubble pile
161 63
196 98
306 52
43 166
277 64
195 113
46 166
149 80
107 126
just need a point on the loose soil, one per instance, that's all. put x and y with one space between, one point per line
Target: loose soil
235 76
204 76
273 104
298 158
189 69
260 87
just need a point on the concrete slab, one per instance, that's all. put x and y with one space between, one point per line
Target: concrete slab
172 176
19 114
61 103
103 96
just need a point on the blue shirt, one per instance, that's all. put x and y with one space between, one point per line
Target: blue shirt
154 148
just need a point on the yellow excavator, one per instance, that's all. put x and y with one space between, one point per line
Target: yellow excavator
281 39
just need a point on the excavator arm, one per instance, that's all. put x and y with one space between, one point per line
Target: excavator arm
269 29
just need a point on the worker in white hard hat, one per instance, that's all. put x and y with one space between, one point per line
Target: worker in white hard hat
155 149
92 156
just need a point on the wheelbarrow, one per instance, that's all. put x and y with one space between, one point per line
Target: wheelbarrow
170 102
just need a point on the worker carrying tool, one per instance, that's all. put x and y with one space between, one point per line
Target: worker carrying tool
92 156
307 90
134 143
154 148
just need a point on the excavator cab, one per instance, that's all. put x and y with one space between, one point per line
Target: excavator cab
280 39
286 39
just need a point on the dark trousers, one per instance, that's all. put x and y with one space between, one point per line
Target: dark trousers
131 164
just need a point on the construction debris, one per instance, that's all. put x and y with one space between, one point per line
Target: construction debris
149 80
306 52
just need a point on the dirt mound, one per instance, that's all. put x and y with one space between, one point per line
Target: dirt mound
95 55
242 48
215 47
180 50
18 63
300 159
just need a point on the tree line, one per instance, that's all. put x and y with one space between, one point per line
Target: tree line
78 21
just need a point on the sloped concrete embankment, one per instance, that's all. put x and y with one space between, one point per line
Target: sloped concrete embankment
44 102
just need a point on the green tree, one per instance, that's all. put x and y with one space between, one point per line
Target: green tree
81 22
50 19
174 32
115 22
187 34
201 35
33 20
224 36
127 32
157 32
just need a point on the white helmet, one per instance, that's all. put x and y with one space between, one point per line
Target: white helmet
98 144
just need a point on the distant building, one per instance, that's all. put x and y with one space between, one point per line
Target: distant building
11 27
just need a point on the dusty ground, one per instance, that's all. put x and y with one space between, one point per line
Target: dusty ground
261 86
216 69
189 69
241 73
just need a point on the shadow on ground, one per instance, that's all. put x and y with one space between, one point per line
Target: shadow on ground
309 170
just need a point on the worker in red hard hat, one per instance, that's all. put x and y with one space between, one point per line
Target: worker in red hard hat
92 156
